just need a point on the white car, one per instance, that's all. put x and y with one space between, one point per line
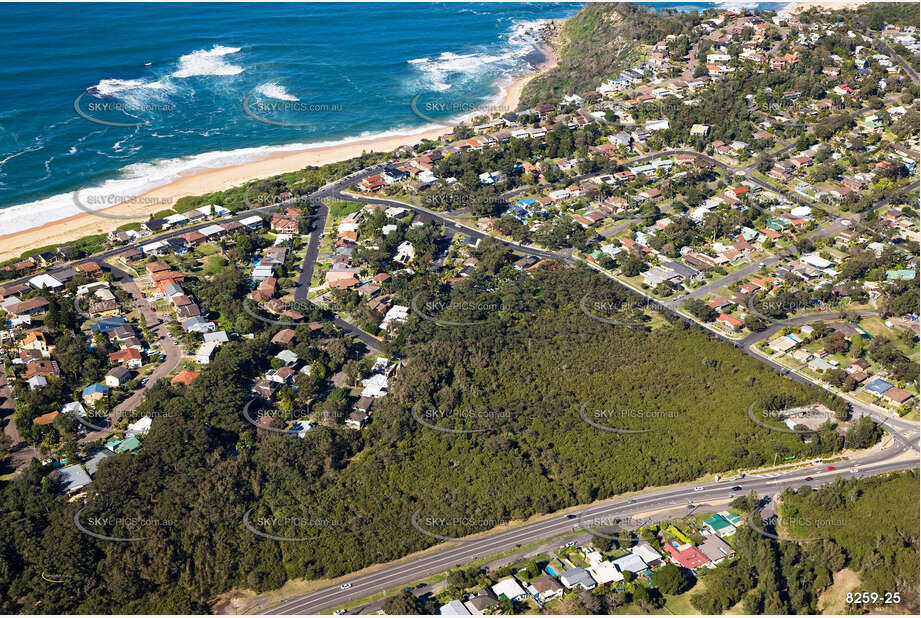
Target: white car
698 488
338 612
345 586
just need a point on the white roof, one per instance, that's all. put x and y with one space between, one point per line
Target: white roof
140 426
177 218
510 588
454 608
44 281
249 221
816 261
287 357
218 337
211 230
375 386
646 552
74 407
207 348
631 562
604 572
211 209
154 246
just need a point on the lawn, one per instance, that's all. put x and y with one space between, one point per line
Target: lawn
215 264
341 208
681 603
832 600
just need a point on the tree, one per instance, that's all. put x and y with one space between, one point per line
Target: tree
700 310
602 543
864 433
405 603
671 579
632 266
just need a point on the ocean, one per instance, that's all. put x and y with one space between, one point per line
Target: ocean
116 99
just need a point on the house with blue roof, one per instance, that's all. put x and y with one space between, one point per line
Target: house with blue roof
94 392
877 386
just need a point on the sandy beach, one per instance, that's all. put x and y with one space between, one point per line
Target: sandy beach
210 180
798 7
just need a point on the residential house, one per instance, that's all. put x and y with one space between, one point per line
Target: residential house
510 589
117 376
686 555
716 549
131 357
577 578
94 392
545 588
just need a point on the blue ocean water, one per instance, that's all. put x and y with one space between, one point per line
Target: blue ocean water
119 98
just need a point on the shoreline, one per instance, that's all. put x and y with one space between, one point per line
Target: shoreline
280 161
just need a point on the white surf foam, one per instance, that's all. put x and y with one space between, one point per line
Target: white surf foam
273 90
208 62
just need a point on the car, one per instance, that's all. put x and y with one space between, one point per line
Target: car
732 495
338 612
145 381
631 501
855 470
345 586
736 488
761 264
570 516
698 488
829 467
808 478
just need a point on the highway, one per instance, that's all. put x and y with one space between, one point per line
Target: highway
892 459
